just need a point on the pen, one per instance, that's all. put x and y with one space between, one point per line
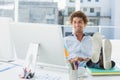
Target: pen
76 64
72 66
27 74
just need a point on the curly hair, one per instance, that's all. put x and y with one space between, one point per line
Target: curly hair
79 14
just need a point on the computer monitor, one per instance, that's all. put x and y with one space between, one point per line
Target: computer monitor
6 45
49 37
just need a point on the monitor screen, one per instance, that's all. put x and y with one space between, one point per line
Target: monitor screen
6 45
49 37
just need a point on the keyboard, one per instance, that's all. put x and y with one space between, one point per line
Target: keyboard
50 75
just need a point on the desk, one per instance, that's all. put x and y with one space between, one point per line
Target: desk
12 74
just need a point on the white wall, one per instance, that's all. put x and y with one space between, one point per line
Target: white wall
116 51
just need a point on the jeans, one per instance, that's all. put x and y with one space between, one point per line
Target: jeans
90 64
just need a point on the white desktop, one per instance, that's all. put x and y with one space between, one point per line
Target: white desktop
48 36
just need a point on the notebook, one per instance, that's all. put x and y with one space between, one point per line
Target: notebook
100 72
4 66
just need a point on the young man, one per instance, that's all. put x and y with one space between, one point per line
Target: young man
83 49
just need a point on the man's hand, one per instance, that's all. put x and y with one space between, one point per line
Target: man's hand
86 59
73 60
79 59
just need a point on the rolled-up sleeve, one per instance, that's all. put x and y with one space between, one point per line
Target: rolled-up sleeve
68 48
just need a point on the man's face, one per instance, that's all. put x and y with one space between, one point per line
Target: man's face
78 25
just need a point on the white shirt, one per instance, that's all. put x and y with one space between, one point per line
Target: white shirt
76 48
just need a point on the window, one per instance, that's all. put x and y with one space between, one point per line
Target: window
7 8
89 0
96 0
50 21
84 9
70 10
91 10
94 22
81 1
68 33
97 13
71 0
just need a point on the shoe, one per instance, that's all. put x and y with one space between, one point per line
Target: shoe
96 47
107 49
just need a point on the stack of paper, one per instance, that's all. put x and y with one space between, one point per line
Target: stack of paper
113 71
6 66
